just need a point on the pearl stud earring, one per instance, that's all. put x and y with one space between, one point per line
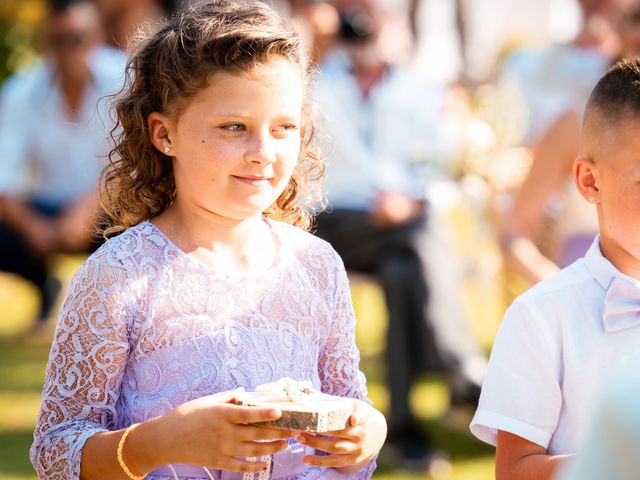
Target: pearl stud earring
167 149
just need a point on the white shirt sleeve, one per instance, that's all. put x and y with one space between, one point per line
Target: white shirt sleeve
521 393
14 137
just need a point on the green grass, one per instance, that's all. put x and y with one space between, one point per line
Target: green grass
22 365
21 373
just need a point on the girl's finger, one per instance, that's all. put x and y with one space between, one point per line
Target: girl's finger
346 432
360 414
355 420
256 432
227 396
239 414
329 460
257 449
349 433
340 446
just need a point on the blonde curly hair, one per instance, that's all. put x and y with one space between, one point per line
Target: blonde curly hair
171 66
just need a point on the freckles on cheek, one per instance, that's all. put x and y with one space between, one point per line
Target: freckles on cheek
213 179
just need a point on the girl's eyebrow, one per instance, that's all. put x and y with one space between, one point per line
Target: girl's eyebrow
246 115
229 114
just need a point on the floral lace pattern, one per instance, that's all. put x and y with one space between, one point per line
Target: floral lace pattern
145 328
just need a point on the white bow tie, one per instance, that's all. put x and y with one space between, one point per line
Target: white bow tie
621 305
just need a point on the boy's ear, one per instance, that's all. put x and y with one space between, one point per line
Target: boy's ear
159 127
585 175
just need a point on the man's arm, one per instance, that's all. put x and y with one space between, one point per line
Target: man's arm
36 229
76 225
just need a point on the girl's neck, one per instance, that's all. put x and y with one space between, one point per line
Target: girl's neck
241 246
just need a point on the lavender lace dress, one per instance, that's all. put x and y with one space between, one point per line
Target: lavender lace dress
145 328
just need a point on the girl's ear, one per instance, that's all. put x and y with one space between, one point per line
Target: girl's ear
159 127
585 175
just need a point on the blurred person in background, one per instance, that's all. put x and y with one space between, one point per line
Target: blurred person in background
121 18
389 134
317 22
459 28
548 225
53 127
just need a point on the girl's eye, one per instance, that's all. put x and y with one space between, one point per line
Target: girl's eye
233 127
286 128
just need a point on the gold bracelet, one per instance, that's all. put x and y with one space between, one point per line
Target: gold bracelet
123 465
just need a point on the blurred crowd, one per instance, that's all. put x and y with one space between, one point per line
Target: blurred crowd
420 101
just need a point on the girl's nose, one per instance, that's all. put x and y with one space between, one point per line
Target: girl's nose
261 149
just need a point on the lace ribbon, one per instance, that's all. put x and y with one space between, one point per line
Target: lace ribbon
283 390
287 463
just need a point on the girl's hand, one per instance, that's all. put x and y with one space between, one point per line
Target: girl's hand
212 432
352 447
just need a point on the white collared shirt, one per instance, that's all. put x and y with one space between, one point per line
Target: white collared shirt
395 140
550 358
45 155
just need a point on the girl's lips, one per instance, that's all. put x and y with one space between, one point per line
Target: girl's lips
251 180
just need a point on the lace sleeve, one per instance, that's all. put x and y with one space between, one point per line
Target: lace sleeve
339 362
83 375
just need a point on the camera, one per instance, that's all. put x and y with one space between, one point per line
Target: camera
356 25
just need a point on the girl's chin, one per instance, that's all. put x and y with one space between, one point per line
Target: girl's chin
248 215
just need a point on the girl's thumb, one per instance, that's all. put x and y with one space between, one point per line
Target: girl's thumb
228 395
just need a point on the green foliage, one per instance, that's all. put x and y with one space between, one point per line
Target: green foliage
19 21
16 47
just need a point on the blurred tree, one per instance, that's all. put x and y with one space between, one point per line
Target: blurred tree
19 21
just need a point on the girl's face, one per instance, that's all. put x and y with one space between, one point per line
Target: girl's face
235 145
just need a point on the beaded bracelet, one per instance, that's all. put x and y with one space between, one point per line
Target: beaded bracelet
123 465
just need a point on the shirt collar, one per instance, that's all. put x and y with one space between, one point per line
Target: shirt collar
602 269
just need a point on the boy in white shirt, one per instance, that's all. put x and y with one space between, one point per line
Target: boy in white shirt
562 337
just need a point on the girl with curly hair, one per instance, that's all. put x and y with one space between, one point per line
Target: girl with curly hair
210 285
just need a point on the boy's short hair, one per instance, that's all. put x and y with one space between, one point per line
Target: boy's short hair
617 93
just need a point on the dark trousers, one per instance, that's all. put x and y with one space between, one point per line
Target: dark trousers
394 256
16 257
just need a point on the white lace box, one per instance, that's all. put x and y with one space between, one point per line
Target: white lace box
317 412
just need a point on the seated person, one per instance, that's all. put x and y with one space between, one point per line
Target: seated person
121 18
389 138
549 226
53 126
